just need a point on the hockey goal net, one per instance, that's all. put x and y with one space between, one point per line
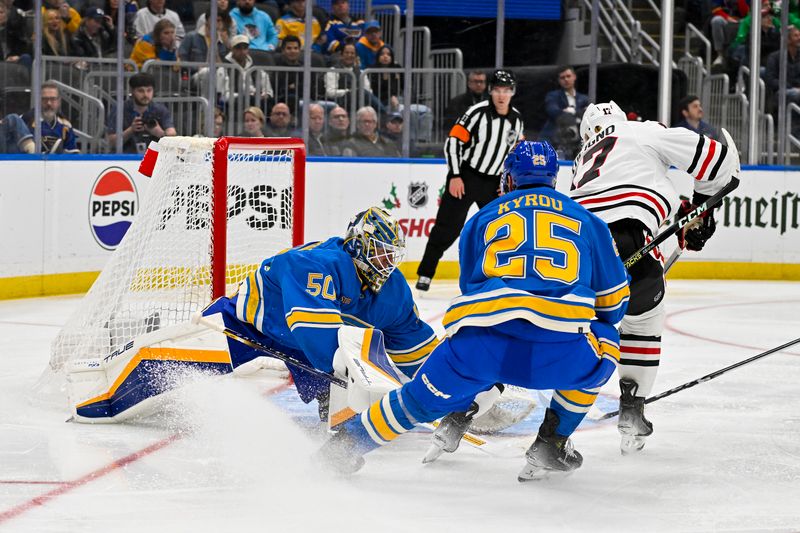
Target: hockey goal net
213 210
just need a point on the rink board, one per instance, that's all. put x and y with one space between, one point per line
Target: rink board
54 244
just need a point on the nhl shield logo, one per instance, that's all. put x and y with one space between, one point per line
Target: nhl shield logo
418 194
511 137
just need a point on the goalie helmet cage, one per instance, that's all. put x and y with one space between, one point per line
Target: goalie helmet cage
213 210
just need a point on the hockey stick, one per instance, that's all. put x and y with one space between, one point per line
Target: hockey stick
682 222
708 377
198 318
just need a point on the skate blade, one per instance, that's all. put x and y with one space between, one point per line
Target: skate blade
540 473
631 444
433 453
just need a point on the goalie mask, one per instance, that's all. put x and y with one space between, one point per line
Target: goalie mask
598 116
529 163
377 245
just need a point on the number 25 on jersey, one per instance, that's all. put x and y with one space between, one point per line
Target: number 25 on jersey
509 234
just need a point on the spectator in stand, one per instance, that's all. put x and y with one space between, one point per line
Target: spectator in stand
792 68
68 15
15 137
142 119
253 122
219 122
294 22
770 34
369 44
476 92
58 137
111 7
256 24
146 19
564 108
95 37
342 27
161 44
338 88
725 13
55 41
317 143
223 6
387 86
259 84
692 112
280 121
338 135
393 130
194 47
367 142
289 85
14 43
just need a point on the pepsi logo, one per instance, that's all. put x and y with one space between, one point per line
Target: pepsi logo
112 206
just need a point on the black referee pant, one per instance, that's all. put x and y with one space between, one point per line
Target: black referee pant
479 188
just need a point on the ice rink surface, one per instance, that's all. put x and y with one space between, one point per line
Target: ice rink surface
234 454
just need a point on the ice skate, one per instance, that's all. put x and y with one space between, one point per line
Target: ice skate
632 424
423 283
550 454
447 435
338 454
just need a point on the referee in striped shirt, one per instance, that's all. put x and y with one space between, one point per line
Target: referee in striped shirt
475 152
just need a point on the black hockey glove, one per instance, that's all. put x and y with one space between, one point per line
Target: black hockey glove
694 235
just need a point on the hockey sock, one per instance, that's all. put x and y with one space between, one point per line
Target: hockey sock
384 421
571 406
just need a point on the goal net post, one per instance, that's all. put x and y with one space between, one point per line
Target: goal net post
212 211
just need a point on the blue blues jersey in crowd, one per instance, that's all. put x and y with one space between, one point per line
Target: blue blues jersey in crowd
301 297
535 254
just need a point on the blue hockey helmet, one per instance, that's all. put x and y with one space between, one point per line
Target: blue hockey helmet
377 244
529 163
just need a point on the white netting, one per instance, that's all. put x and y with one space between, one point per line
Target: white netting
161 272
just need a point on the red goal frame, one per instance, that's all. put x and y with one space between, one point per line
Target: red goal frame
219 209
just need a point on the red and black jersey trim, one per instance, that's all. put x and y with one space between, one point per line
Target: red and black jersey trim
703 156
627 195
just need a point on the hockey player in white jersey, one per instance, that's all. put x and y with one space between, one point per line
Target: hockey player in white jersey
620 175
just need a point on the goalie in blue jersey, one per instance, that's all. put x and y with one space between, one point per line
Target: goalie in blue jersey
298 303
542 289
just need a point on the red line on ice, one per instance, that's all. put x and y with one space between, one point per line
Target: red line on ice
668 325
67 486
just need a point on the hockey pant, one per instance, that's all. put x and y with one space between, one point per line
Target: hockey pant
474 359
309 386
640 333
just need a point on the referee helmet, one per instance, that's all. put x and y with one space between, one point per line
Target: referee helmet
502 78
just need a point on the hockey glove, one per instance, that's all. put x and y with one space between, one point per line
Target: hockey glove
695 234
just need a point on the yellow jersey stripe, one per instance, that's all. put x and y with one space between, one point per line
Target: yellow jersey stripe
613 299
531 303
252 298
312 318
415 355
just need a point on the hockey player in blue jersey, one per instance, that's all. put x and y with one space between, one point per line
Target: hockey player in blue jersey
542 288
297 301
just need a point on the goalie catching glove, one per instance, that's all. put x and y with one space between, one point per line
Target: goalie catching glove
695 235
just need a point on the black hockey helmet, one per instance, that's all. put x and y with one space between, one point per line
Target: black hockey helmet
502 78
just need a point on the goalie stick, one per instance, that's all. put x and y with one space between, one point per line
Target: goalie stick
708 377
473 440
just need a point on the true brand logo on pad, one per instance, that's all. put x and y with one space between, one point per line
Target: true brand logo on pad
112 206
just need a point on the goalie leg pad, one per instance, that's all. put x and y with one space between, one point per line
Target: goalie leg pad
129 381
